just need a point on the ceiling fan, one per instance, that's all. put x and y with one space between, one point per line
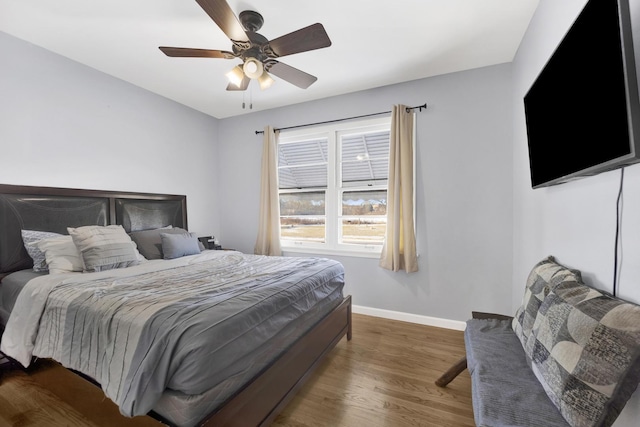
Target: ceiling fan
258 54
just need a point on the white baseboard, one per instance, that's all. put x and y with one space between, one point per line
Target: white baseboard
408 317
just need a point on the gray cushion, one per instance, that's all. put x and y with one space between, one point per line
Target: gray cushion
149 241
505 392
30 239
179 245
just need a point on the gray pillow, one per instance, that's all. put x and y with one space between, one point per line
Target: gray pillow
149 241
30 239
179 245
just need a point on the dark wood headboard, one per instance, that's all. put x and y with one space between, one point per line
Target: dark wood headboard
55 209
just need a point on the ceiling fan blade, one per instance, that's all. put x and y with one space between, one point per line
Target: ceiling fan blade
292 75
195 53
224 17
243 85
305 39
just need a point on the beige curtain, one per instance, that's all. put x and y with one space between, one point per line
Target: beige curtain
399 249
268 242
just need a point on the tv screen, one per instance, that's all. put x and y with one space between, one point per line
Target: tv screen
582 110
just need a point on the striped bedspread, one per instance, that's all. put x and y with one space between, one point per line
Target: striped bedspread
174 324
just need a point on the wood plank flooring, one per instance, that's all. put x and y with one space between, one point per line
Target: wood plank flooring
383 377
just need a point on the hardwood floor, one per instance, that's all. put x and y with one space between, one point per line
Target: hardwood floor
49 395
384 376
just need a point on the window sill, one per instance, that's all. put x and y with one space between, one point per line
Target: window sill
336 252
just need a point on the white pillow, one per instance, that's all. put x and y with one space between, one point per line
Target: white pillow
61 254
104 247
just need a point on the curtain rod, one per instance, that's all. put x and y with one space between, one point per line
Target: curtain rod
347 118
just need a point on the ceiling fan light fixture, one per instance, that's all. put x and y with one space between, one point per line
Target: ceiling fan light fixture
265 80
235 76
253 68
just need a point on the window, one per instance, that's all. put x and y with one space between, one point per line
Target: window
333 187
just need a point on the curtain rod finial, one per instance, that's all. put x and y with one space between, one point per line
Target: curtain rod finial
419 107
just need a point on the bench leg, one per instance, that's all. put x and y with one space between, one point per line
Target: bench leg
452 372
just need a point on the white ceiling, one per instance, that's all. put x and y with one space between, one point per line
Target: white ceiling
374 43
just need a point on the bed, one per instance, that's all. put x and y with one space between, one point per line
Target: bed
208 338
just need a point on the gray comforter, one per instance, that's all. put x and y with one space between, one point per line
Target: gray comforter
143 329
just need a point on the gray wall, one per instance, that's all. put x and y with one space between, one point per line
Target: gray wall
575 221
67 125
63 124
464 191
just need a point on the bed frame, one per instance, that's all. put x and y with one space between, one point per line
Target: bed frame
54 209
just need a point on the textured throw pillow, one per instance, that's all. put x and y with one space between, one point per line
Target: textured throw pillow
149 241
544 276
61 254
179 245
30 239
586 353
104 247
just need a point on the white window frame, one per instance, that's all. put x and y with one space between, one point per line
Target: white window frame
334 190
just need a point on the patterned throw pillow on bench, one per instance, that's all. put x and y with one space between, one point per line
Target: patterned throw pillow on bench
544 276
586 352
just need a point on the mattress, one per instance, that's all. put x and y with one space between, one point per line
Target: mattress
186 410
180 336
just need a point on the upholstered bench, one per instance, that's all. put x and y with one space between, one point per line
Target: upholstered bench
569 357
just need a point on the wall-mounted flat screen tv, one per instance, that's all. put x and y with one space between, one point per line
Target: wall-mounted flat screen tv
582 112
